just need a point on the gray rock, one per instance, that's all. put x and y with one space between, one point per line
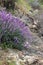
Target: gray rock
35 4
40 24
40 31
31 59
1 8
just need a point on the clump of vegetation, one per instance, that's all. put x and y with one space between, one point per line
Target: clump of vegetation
12 40
41 2
9 4
13 32
24 4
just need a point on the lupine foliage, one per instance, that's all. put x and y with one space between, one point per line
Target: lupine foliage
13 32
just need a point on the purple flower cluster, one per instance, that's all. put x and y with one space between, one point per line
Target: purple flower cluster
11 23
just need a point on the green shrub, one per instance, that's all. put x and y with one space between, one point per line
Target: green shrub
12 40
13 32
9 4
41 1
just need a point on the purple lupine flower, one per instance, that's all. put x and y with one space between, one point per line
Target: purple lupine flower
11 23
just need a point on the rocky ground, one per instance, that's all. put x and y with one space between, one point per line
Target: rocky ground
16 57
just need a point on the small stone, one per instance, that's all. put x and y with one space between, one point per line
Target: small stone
31 59
40 62
34 26
22 61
